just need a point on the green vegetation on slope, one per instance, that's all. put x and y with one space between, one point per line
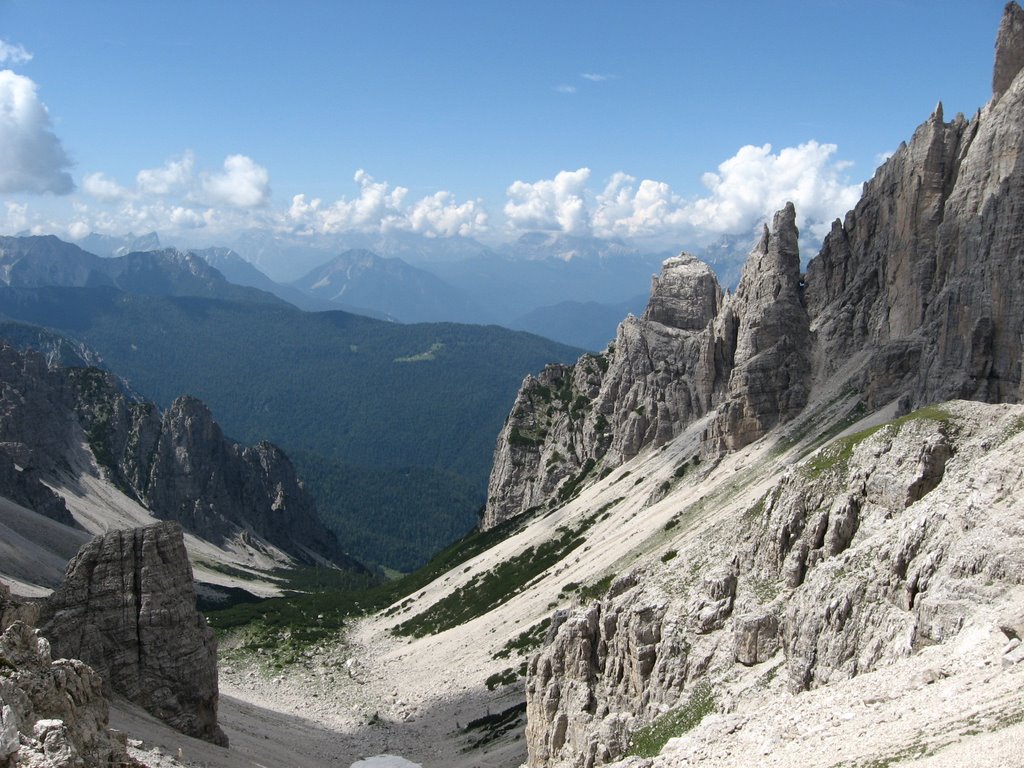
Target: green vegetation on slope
648 741
334 388
318 601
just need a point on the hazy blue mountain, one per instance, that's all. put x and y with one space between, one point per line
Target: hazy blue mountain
240 272
362 279
48 261
588 324
119 245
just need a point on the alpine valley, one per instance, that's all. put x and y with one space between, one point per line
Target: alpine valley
781 525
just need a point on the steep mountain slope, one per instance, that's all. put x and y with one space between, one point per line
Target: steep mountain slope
358 280
880 544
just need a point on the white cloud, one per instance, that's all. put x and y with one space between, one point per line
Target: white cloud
78 229
745 189
243 184
550 204
11 53
565 88
31 156
103 188
381 207
176 176
437 215
754 182
594 77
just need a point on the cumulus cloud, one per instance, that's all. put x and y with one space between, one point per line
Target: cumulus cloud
103 188
243 184
556 204
32 158
564 88
744 190
595 77
438 215
381 207
175 176
754 182
14 54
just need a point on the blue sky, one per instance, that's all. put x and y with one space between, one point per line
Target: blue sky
486 119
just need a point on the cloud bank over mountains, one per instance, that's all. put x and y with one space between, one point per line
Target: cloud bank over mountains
741 192
181 196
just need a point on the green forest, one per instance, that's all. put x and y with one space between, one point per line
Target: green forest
391 426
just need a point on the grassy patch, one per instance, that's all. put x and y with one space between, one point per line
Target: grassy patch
430 354
489 589
648 741
319 604
837 455
526 641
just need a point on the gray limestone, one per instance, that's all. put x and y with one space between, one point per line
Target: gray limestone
127 608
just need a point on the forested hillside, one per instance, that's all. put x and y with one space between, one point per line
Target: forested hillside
358 402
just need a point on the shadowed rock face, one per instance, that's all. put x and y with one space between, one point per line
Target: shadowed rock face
178 464
127 608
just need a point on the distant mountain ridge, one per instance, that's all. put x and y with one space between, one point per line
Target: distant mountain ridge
359 279
37 261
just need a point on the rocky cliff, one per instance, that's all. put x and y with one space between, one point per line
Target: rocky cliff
53 714
127 608
883 543
692 351
178 464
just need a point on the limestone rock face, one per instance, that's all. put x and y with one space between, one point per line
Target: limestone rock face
649 383
771 376
692 351
859 557
127 608
53 714
919 292
924 276
1009 50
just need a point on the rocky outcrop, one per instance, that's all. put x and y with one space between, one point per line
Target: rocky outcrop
770 376
692 351
178 464
606 408
12 610
24 487
1009 50
127 608
53 714
883 543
